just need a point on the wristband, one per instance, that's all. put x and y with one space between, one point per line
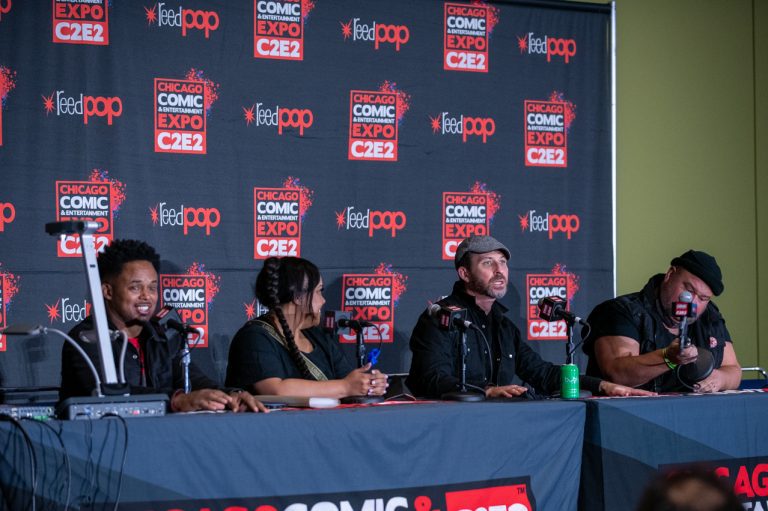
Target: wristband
667 361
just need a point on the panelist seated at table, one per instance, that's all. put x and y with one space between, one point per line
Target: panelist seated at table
634 337
129 283
284 352
481 265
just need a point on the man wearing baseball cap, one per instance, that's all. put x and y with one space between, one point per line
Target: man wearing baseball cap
481 265
634 338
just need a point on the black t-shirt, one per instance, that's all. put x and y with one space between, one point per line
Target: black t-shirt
612 318
256 355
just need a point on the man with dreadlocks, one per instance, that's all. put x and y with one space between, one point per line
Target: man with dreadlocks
284 352
129 284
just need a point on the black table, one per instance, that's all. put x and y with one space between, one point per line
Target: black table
400 457
627 441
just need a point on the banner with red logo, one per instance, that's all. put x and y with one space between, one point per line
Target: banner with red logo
616 471
76 22
278 28
7 214
7 84
162 15
9 287
82 105
373 126
746 477
83 200
466 35
277 222
2 311
370 298
368 137
180 116
191 294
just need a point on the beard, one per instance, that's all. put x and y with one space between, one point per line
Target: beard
486 288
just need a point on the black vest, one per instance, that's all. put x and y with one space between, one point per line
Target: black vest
707 330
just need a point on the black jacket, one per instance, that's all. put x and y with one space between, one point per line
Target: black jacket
164 373
435 364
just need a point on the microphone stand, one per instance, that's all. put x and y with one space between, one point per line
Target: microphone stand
360 346
463 394
692 372
360 400
569 342
186 359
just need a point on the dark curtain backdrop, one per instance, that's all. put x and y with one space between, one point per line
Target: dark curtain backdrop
367 136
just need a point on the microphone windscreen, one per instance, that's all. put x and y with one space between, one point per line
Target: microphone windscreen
434 309
331 322
696 371
160 321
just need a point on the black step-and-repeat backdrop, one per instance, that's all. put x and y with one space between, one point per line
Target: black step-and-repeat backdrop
367 136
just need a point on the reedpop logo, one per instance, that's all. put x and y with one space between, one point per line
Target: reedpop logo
444 124
5 8
547 45
391 221
87 106
68 310
282 118
378 33
549 223
205 218
185 19
7 214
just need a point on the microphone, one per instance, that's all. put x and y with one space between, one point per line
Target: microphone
353 323
449 317
167 318
683 309
71 227
337 320
331 321
553 308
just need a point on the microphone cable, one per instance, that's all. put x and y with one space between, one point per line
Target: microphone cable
30 450
67 461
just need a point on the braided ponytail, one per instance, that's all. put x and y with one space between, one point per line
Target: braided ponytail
271 298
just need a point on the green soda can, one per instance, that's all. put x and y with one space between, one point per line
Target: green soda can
569 381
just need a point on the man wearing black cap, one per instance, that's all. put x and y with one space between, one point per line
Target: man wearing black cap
634 341
481 264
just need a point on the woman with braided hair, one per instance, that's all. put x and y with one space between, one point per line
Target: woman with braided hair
284 352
